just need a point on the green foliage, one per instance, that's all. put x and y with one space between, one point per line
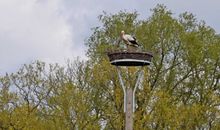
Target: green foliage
180 91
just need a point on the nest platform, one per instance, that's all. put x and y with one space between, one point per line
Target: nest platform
130 58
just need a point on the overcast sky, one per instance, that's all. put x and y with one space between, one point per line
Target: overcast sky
54 30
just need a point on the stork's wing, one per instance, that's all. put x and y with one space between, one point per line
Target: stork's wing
129 37
134 38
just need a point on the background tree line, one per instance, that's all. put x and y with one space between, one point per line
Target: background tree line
181 88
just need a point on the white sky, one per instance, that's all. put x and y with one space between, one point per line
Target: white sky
55 30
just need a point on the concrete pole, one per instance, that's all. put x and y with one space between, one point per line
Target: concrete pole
129 109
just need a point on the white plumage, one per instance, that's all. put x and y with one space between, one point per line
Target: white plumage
128 39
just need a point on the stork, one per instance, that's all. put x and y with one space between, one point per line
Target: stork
129 40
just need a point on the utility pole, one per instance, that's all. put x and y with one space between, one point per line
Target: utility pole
130 59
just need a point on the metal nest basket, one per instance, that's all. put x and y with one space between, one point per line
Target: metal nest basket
129 58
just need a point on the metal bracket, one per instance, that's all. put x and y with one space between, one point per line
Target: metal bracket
138 83
122 85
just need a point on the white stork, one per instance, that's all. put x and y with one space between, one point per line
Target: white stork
129 40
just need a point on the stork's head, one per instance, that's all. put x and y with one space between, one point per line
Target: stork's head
122 32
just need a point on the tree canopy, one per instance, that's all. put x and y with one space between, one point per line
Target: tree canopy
181 87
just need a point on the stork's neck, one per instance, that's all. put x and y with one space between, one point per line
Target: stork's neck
122 36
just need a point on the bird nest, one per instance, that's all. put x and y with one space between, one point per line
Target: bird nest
129 58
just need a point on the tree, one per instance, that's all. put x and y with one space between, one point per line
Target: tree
184 75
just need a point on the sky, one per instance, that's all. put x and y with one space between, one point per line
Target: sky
54 31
